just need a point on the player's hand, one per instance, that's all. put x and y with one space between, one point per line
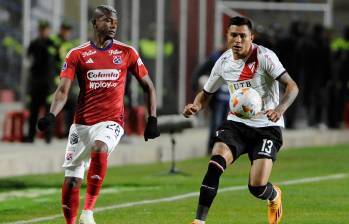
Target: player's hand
273 115
190 110
151 130
46 122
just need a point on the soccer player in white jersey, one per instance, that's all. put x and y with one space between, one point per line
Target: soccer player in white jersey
101 67
246 65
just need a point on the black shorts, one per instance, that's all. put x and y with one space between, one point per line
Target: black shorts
259 143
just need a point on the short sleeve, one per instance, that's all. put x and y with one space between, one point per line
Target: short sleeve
69 65
136 66
271 64
215 81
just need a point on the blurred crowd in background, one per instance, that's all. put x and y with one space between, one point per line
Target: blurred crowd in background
315 56
318 61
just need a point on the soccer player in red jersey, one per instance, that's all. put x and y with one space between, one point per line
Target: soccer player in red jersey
101 67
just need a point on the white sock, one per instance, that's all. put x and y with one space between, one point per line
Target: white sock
200 221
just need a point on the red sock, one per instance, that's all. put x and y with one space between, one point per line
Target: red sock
95 177
70 202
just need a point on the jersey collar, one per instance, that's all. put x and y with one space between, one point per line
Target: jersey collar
104 48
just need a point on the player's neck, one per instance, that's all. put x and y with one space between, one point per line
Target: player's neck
101 42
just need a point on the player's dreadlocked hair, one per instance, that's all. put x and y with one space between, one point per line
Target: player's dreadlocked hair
239 21
102 10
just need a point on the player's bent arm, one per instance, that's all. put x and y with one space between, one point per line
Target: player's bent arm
201 99
290 94
199 103
149 88
60 96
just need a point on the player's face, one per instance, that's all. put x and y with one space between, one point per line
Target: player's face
239 38
106 25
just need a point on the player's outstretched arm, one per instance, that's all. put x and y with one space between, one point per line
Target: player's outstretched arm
59 99
291 92
199 103
151 130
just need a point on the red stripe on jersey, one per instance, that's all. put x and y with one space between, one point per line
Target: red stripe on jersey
249 71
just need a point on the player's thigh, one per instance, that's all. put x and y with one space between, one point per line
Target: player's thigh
77 149
106 134
229 141
260 172
266 143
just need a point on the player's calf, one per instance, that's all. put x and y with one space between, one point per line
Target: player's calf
95 177
209 186
71 198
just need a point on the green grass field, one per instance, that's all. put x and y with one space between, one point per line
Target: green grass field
147 194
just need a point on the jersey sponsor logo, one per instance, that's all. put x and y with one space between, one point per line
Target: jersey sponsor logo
117 60
88 53
103 74
97 85
64 67
90 61
113 52
233 86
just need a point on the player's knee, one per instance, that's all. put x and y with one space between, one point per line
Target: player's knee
261 192
218 161
99 146
73 182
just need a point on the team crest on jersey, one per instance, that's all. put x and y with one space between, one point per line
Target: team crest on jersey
64 67
117 60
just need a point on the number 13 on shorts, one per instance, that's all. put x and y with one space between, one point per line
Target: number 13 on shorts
266 148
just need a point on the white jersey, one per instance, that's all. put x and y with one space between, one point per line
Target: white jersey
259 71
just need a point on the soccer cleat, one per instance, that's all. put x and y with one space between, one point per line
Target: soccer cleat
196 221
275 208
86 217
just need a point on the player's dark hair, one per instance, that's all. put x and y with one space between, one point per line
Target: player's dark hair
102 10
240 21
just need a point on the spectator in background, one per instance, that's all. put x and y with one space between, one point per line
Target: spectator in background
63 44
315 62
148 49
219 103
40 81
340 80
288 49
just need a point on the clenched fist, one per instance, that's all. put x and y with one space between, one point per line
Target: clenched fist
190 110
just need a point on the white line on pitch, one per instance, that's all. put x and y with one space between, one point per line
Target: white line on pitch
188 195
